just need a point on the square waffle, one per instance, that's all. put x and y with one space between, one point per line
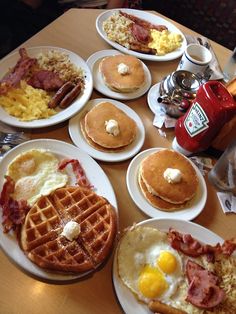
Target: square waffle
41 237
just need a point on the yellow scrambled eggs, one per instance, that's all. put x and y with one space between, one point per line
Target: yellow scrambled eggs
164 41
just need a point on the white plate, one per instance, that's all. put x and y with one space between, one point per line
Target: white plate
93 63
62 115
152 18
79 140
95 175
194 208
152 96
126 298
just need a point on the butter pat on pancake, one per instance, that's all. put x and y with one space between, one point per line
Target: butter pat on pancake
122 73
95 145
157 201
35 173
152 173
96 126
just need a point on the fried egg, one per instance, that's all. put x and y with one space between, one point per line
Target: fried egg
148 265
35 173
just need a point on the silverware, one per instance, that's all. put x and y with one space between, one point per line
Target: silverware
12 138
8 140
206 44
200 41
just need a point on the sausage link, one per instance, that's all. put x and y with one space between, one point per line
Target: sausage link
159 307
60 94
69 97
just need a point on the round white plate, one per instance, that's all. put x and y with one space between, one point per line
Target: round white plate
152 96
152 18
93 63
126 298
194 208
62 115
95 175
79 140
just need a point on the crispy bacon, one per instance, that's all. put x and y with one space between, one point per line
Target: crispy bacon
143 23
81 177
191 247
13 212
47 80
20 70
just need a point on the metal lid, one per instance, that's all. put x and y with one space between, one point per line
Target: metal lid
185 81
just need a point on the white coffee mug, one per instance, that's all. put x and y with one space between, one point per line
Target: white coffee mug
195 59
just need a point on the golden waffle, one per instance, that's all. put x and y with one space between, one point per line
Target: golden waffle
157 201
41 237
95 127
152 172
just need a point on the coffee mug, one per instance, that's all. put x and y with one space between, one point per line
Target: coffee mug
195 59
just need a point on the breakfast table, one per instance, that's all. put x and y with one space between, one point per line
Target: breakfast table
20 293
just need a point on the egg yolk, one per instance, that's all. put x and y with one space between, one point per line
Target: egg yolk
167 262
151 282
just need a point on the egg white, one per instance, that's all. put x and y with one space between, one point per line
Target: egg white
35 173
141 246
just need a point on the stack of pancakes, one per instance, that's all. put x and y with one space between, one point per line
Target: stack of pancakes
93 127
157 190
123 83
42 238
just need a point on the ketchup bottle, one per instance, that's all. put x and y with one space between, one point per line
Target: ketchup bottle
211 109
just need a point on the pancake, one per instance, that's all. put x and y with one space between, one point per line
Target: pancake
95 145
95 126
122 82
153 168
156 201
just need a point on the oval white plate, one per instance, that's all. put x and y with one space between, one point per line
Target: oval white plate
152 18
126 298
195 206
93 63
95 175
79 140
10 61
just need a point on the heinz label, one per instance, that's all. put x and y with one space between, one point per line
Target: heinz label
196 120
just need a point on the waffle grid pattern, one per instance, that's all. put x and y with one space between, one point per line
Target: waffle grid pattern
41 233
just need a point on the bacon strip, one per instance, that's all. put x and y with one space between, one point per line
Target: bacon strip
20 70
143 23
81 177
13 212
191 247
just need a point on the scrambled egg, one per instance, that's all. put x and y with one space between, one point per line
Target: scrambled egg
27 103
164 41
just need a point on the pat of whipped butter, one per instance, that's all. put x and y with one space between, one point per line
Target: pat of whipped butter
123 69
71 230
172 175
112 127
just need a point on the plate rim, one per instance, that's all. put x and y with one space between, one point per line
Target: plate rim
103 89
155 213
150 92
117 282
51 121
138 54
103 156
37 272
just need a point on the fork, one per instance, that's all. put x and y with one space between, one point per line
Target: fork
12 138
